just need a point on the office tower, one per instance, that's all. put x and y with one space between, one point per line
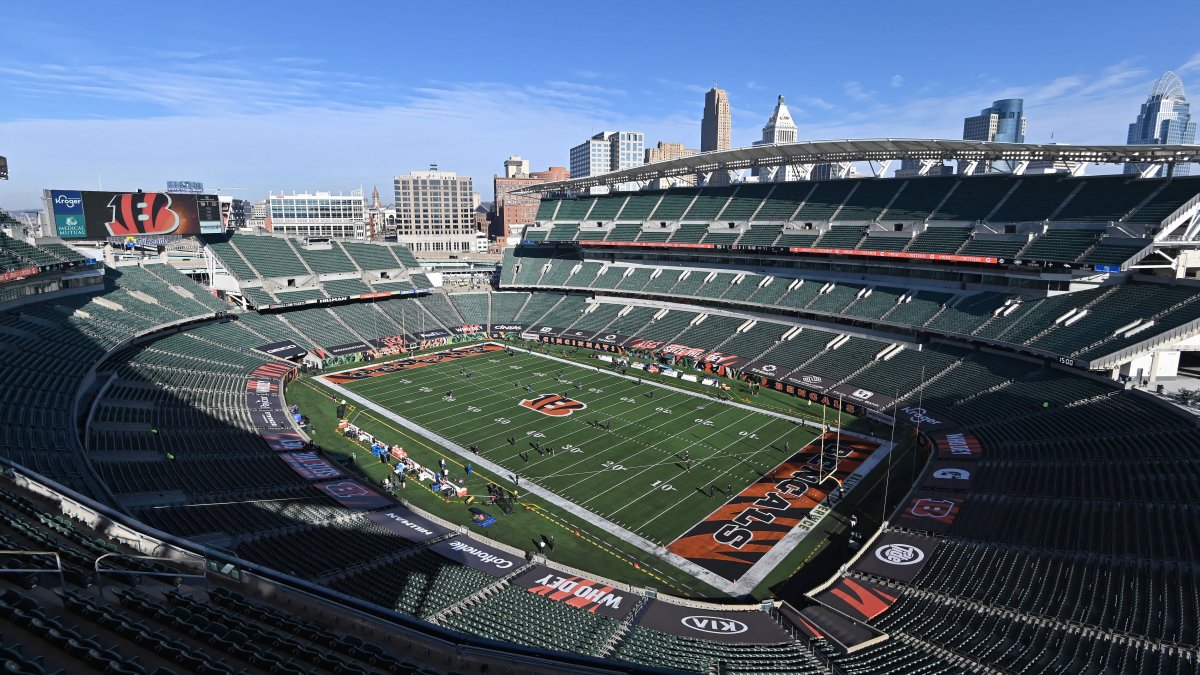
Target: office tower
715 127
1165 118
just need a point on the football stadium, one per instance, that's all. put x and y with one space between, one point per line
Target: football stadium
844 426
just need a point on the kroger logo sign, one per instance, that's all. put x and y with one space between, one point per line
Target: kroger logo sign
67 201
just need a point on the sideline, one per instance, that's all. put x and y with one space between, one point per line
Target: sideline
696 394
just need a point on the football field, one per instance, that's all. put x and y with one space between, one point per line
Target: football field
654 460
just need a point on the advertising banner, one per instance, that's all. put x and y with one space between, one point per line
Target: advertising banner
576 334
957 445
342 350
506 328
310 465
949 257
948 475
282 439
752 627
353 495
415 362
478 556
809 381
864 397
69 220
610 339
586 594
764 369
931 511
545 331
857 598
407 524
18 274
897 555
927 420
642 244
431 334
284 350
467 330
269 419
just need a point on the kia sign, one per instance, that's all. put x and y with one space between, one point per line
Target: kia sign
748 627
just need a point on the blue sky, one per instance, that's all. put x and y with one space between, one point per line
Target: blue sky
252 97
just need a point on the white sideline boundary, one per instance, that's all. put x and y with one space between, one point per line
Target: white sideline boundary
746 583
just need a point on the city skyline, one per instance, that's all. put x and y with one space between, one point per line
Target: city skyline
301 114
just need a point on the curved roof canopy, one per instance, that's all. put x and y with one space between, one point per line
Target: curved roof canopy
878 150
1168 86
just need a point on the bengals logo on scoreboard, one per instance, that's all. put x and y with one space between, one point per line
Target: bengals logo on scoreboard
553 404
141 213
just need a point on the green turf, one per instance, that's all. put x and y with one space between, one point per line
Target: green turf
578 544
634 474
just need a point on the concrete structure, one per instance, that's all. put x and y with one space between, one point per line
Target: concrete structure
514 211
435 211
318 214
608 151
1003 122
715 127
1165 117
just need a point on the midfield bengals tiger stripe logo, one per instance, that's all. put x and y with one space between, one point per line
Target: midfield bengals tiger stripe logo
553 404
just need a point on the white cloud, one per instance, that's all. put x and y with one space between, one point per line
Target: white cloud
897 80
856 91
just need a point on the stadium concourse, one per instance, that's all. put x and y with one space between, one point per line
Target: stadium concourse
1052 527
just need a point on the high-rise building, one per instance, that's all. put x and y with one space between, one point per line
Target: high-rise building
1165 118
664 151
667 151
607 151
435 211
515 167
258 216
715 127
512 210
1004 122
911 168
779 129
319 214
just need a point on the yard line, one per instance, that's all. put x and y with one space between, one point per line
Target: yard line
693 495
643 473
